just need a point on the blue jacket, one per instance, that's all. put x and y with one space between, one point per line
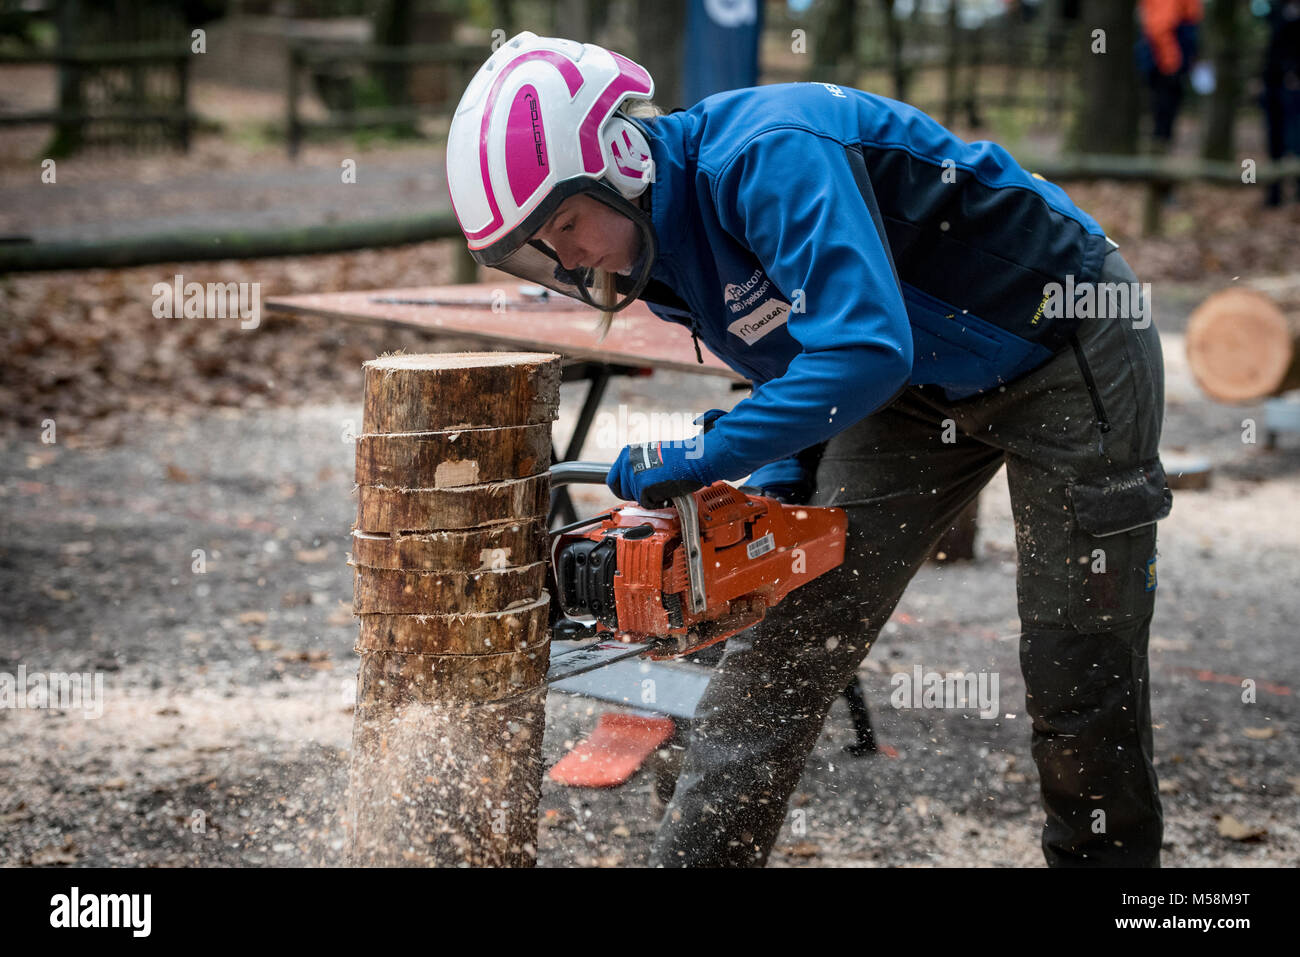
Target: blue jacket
834 246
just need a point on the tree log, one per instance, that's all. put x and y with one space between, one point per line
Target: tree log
399 591
1242 348
507 545
446 784
515 629
384 509
449 552
460 390
449 459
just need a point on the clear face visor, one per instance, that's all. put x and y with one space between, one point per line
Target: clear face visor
532 260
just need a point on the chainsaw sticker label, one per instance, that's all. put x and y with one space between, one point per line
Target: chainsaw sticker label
761 546
767 316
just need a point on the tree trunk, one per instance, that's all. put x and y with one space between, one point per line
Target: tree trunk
894 35
394 26
951 63
660 38
1220 124
1106 114
835 49
450 572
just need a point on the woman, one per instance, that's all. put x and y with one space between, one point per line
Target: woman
894 294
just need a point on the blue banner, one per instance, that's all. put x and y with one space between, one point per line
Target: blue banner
721 47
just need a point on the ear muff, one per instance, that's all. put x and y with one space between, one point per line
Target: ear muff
629 167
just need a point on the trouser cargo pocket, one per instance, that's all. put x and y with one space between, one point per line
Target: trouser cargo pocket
1112 574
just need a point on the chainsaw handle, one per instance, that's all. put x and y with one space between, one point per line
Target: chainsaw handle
579 473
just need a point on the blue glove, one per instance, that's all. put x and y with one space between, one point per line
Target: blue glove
652 473
786 480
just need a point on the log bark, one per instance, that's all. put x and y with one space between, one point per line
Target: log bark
449 551
460 390
1242 348
399 591
455 458
514 629
506 545
384 509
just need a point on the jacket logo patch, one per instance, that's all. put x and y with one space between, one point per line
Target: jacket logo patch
740 297
767 316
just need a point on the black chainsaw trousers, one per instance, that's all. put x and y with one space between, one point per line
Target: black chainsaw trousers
1085 502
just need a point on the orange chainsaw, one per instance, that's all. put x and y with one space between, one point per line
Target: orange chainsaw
667 582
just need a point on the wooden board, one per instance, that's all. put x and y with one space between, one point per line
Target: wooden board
638 337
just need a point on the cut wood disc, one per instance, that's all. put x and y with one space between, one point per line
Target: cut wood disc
392 679
398 591
385 509
486 633
450 459
1241 347
507 545
454 390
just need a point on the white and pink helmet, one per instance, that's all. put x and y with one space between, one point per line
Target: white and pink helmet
539 123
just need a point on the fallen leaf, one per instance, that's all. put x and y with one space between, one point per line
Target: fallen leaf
1234 830
252 618
803 849
1259 734
177 474
58 594
51 855
20 813
313 556
315 654
261 643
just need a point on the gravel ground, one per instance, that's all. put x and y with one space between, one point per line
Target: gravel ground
224 739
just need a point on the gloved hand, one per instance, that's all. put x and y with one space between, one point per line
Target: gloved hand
786 480
652 473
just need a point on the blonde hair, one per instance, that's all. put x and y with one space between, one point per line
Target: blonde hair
606 293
